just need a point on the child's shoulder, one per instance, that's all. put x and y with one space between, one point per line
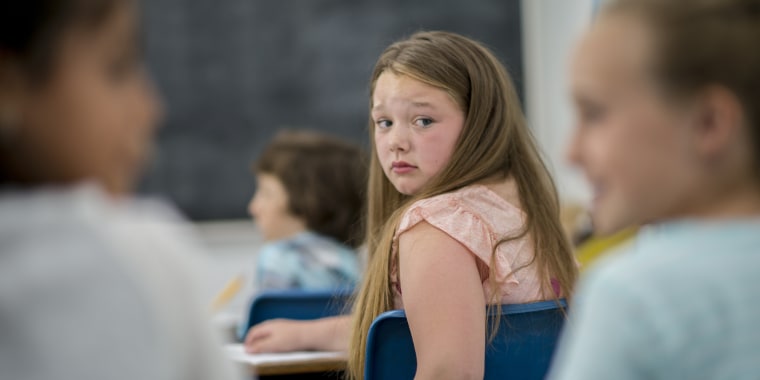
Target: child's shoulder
474 204
84 203
307 243
70 229
477 199
684 258
82 220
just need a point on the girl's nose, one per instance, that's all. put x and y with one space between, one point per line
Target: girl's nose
399 140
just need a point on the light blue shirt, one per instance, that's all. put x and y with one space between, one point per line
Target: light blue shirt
307 261
682 303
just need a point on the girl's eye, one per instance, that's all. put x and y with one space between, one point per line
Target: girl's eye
591 113
423 122
383 123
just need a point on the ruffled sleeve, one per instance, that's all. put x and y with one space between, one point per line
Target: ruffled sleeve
476 222
448 215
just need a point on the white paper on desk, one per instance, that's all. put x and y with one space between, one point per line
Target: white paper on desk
237 353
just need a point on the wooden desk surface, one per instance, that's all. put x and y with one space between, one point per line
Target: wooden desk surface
300 367
288 363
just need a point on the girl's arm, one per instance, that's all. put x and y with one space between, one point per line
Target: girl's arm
284 335
444 303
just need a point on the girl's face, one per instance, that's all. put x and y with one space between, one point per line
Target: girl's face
93 117
269 207
416 127
633 145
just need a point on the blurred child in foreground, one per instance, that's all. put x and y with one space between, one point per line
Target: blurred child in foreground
668 134
93 283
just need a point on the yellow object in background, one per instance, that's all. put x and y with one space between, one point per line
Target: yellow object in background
595 247
228 293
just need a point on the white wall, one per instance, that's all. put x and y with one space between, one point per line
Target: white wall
550 30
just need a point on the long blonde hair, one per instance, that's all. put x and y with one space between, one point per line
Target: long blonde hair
495 141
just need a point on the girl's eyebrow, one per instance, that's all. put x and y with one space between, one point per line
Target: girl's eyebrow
422 105
413 104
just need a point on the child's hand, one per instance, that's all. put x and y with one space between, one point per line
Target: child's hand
277 335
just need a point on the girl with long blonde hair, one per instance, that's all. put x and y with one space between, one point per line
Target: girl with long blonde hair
462 211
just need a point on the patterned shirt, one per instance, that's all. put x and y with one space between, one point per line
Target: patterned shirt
306 261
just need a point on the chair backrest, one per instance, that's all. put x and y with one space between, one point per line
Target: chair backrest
296 304
522 348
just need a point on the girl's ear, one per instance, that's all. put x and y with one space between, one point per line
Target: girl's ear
718 123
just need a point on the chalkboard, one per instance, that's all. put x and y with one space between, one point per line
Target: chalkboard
233 72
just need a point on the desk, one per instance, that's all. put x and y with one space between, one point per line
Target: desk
290 363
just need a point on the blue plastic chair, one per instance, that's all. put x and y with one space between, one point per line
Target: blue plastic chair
522 348
296 304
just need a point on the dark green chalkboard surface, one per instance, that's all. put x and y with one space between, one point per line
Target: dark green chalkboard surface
231 72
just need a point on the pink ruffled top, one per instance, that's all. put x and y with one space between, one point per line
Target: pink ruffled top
478 218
